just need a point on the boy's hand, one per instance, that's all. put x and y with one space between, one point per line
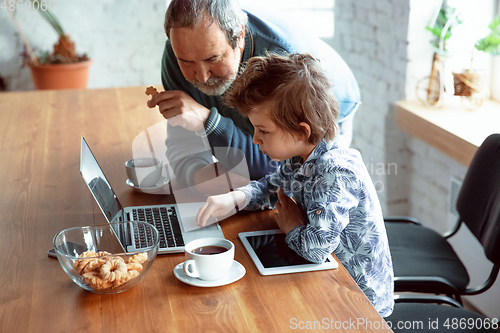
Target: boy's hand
220 205
289 214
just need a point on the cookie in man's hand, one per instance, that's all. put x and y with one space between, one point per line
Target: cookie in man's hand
151 91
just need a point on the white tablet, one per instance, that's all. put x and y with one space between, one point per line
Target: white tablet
272 256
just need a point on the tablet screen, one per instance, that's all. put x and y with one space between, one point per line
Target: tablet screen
271 254
273 251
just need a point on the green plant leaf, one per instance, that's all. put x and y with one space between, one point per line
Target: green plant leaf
495 25
491 43
52 20
437 31
444 15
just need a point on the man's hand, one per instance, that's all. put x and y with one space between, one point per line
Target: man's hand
220 206
289 214
180 109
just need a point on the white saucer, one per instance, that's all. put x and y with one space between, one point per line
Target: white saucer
160 184
236 272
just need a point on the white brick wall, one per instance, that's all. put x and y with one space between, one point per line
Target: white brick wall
430 183
375 48
372 36
125 39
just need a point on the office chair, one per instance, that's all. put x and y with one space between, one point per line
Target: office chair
424 261
410 315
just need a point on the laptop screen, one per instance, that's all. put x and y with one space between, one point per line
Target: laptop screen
98 184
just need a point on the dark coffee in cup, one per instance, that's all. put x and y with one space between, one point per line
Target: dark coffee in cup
208 259
209 250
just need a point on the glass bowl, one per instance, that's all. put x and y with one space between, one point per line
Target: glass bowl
95 259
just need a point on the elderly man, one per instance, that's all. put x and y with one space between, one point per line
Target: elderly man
209 41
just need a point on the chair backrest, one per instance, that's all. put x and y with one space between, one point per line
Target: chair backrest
479 200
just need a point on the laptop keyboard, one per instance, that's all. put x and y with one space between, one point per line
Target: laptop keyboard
165 220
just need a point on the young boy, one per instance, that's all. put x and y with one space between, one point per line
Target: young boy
335 207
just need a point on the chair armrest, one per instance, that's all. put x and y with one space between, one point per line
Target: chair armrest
426 284
453 231
486 285
402 219
435 299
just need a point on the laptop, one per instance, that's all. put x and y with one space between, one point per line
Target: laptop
167 218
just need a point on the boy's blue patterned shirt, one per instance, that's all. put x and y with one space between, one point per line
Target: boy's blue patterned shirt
335 190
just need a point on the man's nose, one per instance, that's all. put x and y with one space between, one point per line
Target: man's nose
202 73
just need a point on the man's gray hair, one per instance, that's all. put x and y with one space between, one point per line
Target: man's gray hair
188 14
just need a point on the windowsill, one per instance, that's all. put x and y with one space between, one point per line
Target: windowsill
451 129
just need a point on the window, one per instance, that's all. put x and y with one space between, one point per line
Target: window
475 17
495 67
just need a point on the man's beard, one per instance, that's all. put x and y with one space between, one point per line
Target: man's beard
216 85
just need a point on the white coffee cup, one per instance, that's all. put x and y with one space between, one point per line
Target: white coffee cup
144 172
201 261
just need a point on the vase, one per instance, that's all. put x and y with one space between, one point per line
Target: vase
61 76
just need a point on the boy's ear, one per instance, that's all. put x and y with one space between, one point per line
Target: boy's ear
305 130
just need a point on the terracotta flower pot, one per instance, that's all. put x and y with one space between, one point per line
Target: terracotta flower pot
61 76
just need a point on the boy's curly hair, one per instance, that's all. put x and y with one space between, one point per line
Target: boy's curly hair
294 89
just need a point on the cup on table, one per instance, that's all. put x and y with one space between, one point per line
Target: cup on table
208 258
144 172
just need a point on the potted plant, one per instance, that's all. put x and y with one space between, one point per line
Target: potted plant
444 20
62 68
471 84
442 27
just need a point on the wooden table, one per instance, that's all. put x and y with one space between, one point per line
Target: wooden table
43 193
